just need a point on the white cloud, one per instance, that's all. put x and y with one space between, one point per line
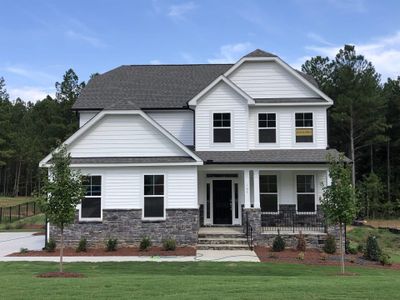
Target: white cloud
179 11
86 38
155 62
358 6
30 93
29 73
231 53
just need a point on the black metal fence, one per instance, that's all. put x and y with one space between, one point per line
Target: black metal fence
13 213
293 221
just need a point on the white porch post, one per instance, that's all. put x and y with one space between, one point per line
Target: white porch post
246 188
256 191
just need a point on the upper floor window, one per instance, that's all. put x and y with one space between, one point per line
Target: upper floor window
304 127
305 193
91 204
267 128
153 196
222 127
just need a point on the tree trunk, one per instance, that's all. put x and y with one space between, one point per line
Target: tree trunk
352 151
17 177
372 157
61 249
341 247
388 170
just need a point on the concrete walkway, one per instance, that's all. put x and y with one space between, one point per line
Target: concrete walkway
11 242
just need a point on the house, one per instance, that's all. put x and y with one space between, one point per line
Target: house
169 150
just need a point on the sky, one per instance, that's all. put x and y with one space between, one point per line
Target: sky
40 40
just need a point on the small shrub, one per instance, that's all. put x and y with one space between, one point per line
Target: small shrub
385 259
111 245
300 256
279 244
8 226
323 257
352 249
82 246
23 250
169 245
330 244
19 225
145 243
301 242
372 250
360 248
50 246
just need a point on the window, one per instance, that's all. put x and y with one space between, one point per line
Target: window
305 193
269 193
304 127
91 204
222 127
267 128
153 196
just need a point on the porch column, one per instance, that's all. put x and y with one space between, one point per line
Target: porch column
256 191
246 185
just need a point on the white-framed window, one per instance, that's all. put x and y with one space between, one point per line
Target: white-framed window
154 195
269 193
90 209
304 127
222 127
305 188
267 128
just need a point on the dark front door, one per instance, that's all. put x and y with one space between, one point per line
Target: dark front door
222 201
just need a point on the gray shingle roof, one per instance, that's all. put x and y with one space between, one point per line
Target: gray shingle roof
260 53
121 160
268 156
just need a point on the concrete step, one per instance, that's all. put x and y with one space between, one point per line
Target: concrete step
222 235
223 241
222 247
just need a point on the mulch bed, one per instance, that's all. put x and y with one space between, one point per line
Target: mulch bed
315 257
60 275
33 226
123 251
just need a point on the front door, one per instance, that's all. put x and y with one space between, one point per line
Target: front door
222 201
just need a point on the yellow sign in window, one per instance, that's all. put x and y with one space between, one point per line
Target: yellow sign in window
304 132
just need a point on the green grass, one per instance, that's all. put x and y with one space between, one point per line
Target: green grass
18 225
11 201
389 242
201 280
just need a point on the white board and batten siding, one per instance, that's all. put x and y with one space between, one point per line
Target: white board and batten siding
269 80
178 123
122 188
221 99
86 116
124 136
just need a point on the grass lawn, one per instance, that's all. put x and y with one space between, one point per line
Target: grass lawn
11 201
200 280
19 225
389 242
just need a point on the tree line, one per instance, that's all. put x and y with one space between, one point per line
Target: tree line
364 123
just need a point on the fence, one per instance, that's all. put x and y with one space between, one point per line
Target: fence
20 211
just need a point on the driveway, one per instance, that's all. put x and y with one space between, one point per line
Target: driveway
13 241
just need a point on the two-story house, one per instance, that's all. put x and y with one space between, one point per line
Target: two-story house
170 149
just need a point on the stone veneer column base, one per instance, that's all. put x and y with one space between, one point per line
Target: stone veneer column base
128 227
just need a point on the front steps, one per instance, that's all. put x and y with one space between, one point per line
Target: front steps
222 238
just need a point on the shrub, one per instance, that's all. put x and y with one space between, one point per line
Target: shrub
23 250
50 246
111 245
8 226
300 256
385 259
145 243
169 245
360 248
330 244
301 243
323 257
279 244
19 225
372 250
82 246
351 249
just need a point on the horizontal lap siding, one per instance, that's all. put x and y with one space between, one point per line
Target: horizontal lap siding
124 135
85 116
269 80
182 188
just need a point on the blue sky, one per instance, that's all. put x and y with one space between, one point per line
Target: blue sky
39 40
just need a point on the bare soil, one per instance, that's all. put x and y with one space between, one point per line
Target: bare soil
60 275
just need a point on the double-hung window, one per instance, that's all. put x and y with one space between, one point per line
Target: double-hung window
269 193
304 127
305 193
153 196
267 128
91 203
222 127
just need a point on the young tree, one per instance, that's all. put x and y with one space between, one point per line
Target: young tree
61 193
339 199
372 194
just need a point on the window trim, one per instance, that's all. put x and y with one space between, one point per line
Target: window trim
315 193
101 201
312 127
164 217
277 192
276 128
230 127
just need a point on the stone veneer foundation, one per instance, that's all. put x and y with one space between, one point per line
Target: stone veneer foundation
128 227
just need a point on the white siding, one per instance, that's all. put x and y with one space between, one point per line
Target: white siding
269 80
122 188
286 128
221 99
123 136
178 123
85 116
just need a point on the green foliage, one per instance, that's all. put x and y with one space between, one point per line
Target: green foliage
385 259
352 249
372 195
301 242
169 245
23 250
330 244
372 250
82 246
111 244
278 244
50 245
145 243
